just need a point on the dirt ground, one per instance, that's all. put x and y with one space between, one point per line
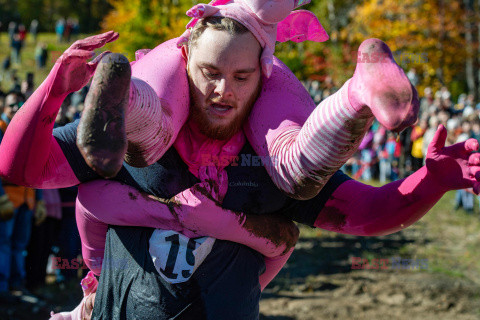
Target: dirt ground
318 281
373 295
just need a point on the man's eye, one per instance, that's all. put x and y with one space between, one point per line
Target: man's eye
241 79
210 74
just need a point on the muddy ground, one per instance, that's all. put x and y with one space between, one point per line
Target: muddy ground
318 282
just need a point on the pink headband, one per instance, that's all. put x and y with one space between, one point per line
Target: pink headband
268 20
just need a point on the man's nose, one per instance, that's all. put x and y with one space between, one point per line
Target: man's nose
224 88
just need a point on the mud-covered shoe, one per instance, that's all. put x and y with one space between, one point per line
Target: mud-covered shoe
101 135
381 85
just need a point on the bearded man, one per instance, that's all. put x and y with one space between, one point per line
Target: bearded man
224 75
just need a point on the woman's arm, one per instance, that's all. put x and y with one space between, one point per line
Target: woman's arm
29 154
193 212
355 208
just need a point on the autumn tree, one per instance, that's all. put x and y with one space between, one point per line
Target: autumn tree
428 35
145 23
330 59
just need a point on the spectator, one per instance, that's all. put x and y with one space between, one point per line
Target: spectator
413 77
34 29
59 29
6 63
464 198
2 101
12 30
428 136
27 86
16 48
426 102
75 29
43 236
67 32
15 232
41 55
417 144
16 86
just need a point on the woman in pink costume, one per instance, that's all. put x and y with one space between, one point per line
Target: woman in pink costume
378 211
30 155
36 167
306 144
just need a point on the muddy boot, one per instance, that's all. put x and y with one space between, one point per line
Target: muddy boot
381 85
101 132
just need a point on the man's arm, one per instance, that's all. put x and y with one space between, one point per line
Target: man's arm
29 154
194 213
355 208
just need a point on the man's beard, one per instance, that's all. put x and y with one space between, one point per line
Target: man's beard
219 132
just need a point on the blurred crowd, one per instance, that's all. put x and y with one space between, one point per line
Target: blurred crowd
66 30
38 231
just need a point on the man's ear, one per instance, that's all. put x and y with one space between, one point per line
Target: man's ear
185 53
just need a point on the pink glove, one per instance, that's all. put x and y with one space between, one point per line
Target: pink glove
454 167
271 235
399 204
71 70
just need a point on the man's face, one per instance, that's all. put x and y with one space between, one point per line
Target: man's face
224 76
12 104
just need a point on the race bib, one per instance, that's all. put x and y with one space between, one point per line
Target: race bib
175 256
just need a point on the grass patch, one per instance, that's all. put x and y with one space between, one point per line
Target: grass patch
449 239
28 57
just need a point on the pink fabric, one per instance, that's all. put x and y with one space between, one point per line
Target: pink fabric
53 203
261 18
397 205
198 151
157 109
393 100
195 213
29 154
299 26
273 265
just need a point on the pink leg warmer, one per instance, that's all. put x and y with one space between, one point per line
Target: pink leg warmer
159 104
306 145
192 208
305 157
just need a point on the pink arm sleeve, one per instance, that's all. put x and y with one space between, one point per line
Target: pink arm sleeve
126 206
379 211
29 154
355 208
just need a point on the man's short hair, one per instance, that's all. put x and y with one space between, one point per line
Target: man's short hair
229 25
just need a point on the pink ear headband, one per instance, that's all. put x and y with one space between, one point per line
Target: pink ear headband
268 20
